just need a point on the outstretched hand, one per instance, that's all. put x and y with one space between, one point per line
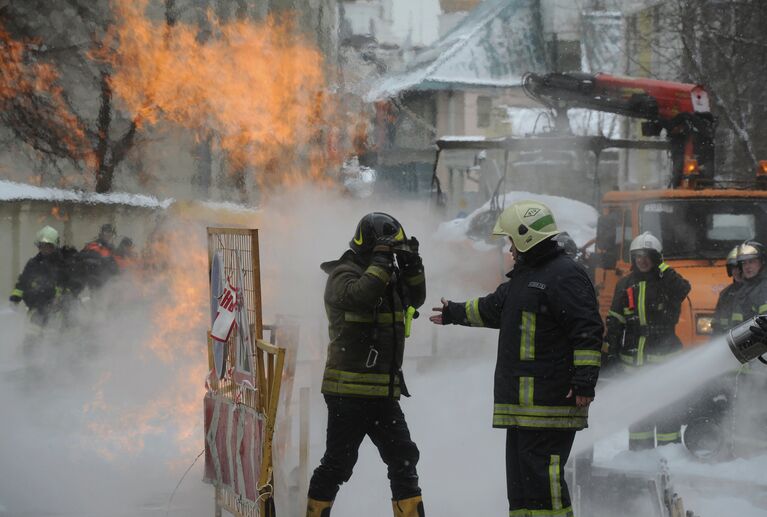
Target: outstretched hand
437 317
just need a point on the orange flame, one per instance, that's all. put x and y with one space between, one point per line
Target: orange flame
259 88
32 87
175 278
58 215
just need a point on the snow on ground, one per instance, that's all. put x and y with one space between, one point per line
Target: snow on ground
574 217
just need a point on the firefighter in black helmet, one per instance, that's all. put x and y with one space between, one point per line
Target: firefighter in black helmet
371 296
548 357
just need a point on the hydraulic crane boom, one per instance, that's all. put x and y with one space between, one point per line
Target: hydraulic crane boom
679 108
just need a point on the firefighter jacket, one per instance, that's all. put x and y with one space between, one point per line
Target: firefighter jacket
751 298
643 315
43 279
724 307
97 263
367 305
549 340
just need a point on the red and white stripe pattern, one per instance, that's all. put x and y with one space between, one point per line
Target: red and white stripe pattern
233 446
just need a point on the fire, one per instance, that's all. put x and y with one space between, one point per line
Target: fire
58 214
259 89
33 102
174 284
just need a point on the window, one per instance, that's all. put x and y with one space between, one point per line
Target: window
704 229
484 107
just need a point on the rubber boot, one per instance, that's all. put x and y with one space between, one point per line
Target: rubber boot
410 507
316 508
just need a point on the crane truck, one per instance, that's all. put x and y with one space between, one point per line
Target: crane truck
697 218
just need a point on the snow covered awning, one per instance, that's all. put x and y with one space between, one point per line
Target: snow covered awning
492 47
12 191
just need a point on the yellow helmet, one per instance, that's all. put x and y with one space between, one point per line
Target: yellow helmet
528 223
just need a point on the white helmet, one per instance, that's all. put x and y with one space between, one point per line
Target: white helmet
47 235
646 241
527 223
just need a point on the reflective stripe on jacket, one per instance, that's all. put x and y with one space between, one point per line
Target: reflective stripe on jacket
643 315
366 317
549 341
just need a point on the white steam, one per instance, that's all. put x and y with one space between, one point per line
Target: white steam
105 424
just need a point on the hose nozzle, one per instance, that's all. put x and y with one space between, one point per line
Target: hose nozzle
746 343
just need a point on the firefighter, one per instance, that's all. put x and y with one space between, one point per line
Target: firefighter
371 295
125 255
44 278
548 356
723 310
641 328
748 433
97 258
751 298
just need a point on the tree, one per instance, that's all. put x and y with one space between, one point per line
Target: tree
56 96
721 44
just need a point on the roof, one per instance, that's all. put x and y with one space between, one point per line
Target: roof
494 46
12 191
219 211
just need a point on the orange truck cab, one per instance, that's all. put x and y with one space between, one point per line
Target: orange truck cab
697 229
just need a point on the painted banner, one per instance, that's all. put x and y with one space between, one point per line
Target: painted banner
243 357
234 436
220 348
227 313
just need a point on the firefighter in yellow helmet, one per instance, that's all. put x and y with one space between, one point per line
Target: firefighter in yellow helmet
727 297
548 356
641 328
371 295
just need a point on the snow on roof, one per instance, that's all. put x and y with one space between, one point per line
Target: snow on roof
12 191
574 217
464 138
493 46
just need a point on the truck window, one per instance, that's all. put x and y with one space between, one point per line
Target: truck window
628 235
703 229
614 236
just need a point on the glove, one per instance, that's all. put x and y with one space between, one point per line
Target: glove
759 330
407 255
413 244
15 298
384 244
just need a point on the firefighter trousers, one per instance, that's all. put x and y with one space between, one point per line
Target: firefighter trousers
535 466
350 419
664 426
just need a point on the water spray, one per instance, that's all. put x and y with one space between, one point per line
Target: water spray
745 345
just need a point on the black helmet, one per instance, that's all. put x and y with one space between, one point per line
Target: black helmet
107 229
373 226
